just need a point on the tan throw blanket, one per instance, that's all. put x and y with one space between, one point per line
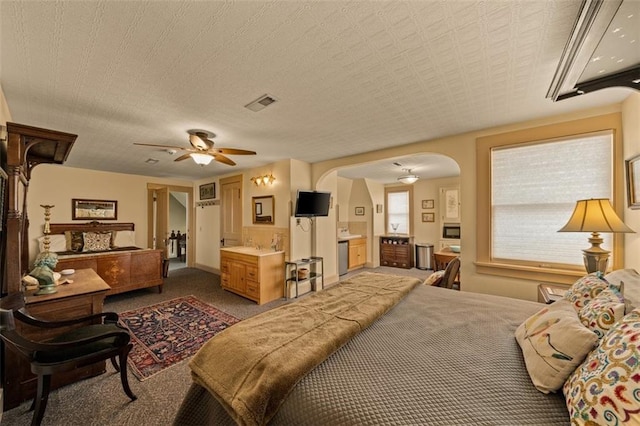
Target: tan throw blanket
252 366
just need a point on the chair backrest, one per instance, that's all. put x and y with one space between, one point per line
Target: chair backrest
11 337
450 273
440 261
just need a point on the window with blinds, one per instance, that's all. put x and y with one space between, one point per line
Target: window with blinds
534 189
398 211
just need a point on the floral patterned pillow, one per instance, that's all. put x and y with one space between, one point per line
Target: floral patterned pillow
554 343
605 389
601 313
96 241
585 289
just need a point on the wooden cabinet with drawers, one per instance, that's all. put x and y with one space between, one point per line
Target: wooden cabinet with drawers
254 274
396 251
357 253
83 297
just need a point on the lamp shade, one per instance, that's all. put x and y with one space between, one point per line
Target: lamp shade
202 159
594 215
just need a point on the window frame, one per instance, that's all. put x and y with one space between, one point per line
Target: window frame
485 263
392 189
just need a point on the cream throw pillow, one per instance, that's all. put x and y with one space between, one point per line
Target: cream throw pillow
554 343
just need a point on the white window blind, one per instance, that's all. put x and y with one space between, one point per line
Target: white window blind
398 211
534 191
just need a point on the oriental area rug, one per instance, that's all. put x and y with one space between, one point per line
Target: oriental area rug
169 332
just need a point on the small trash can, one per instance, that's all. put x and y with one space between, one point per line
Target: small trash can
424 256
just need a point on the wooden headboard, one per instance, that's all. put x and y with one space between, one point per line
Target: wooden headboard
94 226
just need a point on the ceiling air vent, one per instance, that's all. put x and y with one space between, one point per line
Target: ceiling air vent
261 103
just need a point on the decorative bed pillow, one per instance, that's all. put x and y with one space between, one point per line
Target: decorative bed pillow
553 343
585 289
630 279
124 239
435 278
57 243
602 312
96 241
605 389
75 240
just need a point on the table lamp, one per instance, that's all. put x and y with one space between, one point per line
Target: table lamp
595 215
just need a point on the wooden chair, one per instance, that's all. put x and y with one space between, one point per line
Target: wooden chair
440 261
450 277
72 349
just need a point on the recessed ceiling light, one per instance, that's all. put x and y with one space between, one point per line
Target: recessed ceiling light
620 60
597 58
151 161
617 30
601 71
622 36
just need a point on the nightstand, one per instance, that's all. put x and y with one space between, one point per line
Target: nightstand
549 293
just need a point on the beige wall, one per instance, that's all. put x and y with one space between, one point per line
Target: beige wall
57 185
631 138
5 114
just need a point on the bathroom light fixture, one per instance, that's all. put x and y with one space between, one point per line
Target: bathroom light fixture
409 178
263 180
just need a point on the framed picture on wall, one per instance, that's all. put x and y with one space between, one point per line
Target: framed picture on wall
208 191
428 204
359 211
428 217
94 209
633 182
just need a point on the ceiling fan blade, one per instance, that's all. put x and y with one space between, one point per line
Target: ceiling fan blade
200 141
161 146
183 157
234 151
225 160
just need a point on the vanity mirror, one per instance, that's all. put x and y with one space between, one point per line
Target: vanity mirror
263 210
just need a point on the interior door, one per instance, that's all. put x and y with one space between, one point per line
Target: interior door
231 211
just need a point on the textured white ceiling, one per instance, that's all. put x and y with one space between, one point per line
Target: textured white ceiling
350 77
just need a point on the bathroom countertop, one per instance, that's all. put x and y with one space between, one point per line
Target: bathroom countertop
251 250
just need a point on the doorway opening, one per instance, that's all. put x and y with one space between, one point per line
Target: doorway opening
170 221
177 249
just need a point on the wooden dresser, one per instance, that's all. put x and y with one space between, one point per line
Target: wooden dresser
396 251
85 296
255 274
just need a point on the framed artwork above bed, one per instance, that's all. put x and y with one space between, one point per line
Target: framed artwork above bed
94 209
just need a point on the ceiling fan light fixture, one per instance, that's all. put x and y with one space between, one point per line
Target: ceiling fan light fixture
409 178
202 159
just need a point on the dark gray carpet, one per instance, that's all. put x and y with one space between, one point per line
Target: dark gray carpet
101 400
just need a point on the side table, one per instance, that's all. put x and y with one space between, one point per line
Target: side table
549 293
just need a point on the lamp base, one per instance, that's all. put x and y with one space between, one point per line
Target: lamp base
596 263
595 257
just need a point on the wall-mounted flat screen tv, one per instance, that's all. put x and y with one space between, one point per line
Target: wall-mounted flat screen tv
312 203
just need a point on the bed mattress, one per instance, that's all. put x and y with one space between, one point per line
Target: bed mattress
439 357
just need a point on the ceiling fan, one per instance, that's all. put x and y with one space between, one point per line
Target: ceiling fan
202 150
